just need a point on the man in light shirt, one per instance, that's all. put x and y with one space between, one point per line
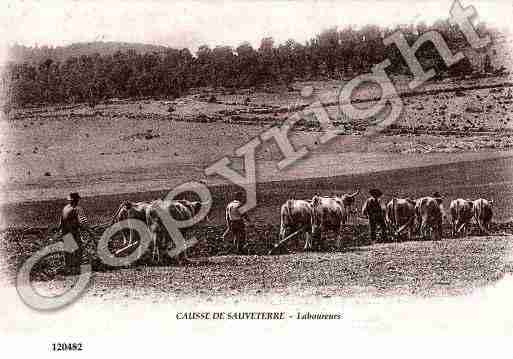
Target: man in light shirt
235 221
73 221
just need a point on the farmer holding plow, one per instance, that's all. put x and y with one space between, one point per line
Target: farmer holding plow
373 211
73 221
236 223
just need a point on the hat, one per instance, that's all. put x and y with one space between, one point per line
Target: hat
375 192
73 196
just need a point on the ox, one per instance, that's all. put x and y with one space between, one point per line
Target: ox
179 210
348 200
130 210
328 213
400 215
296 216
483 213
429 214
461 211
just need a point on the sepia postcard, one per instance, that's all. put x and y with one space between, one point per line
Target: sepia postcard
249 178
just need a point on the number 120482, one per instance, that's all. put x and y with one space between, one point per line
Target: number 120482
66 347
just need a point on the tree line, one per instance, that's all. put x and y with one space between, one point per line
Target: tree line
333 53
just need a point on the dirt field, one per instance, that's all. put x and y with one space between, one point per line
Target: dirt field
137 146
453 266
139 150
448 267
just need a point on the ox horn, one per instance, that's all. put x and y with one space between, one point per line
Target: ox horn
354 194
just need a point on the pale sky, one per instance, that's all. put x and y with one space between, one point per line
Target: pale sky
193 23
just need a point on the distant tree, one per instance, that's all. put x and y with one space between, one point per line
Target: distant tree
96 71
266 45
246 65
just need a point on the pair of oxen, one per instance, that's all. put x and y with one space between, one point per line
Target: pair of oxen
151 214
405 213
315 217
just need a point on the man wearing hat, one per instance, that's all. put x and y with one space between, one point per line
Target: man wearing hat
372 210
73 220
439 199
236 223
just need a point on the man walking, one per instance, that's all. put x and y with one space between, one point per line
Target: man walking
236 223
373 211
72 221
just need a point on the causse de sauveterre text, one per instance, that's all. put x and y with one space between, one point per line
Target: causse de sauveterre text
254 315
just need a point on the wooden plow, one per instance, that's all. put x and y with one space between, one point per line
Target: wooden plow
286 239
